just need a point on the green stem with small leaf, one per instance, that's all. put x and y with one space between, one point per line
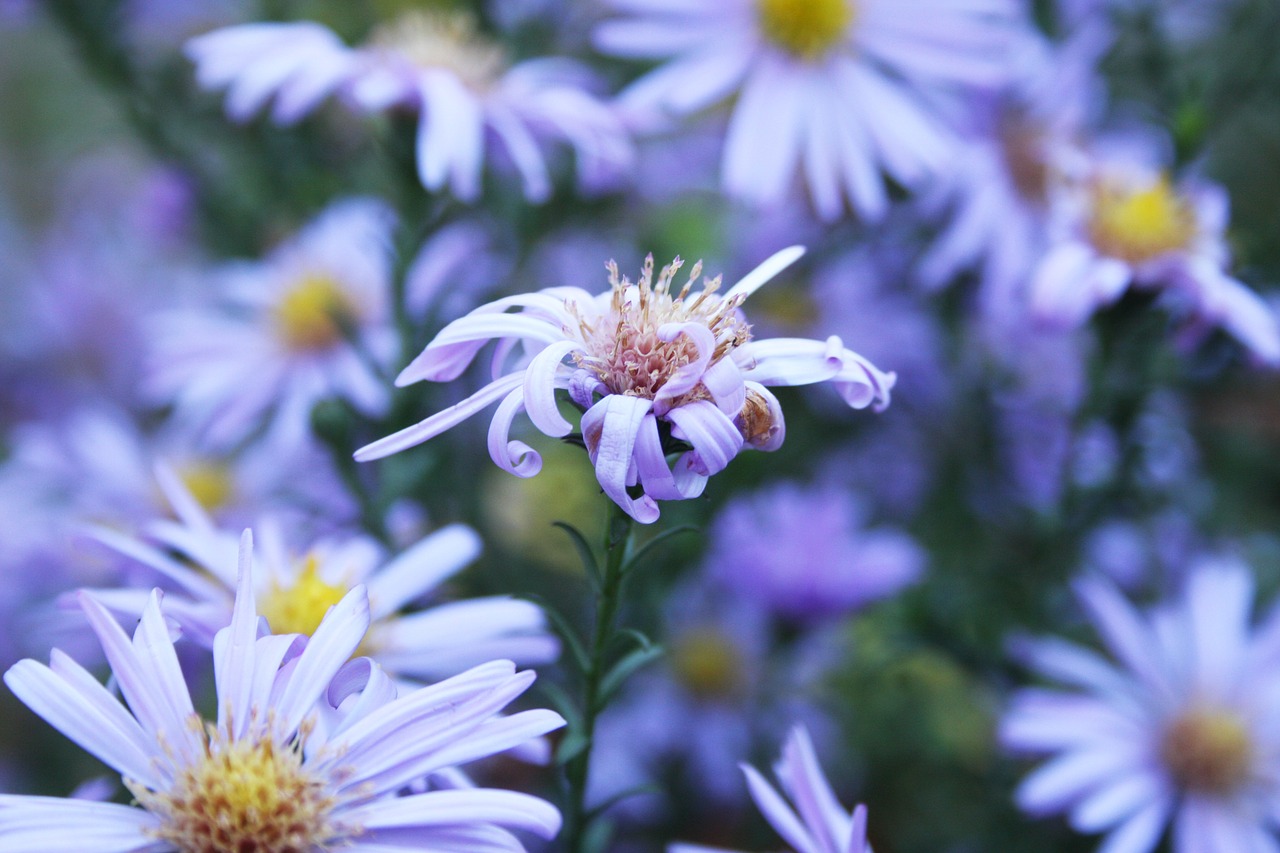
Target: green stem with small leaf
608 597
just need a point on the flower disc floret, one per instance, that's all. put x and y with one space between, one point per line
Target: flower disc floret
625 348
442 40
1208 750
243 795
311 314
1138 223
300 606
805 28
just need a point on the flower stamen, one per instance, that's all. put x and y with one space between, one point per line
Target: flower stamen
807 29
623 346
243 795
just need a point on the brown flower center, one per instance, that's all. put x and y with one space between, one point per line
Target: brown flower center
707 663
1208 750
623 347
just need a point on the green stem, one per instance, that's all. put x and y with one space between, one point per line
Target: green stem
608 598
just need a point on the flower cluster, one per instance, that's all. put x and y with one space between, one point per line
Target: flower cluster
320 240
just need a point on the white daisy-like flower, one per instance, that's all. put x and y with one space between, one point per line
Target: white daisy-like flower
838 90
293 591
816 823
299 326
1127 225
1183 727
464 87
647 364
308 752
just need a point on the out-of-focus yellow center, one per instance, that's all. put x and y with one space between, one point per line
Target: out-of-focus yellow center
707 663
250 795
208 482
448 40
1137 224
311 314
1208 750
297 608
805 28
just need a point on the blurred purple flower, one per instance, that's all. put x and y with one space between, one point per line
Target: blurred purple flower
463 87
1126 225
826 87
722 685
1181 729
297 753
296 587
103 467
805 554
648 354
310 321
1022 142
814 821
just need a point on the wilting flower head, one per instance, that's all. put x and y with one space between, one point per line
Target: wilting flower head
291 333
1128 225
829 88
294 589
463 86
803 553
309 752
816 822
1180 728
640 354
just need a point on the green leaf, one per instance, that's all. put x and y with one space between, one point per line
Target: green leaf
601 808
597 837
640 639
643 551
563 703
624 669
584 553
573 745
564 631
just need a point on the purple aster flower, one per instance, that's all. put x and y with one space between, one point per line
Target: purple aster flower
302 325
1125 224
463 86
295 587
1024 142
829 88
1180 728
309 751
103 467
814 821
804 552
641 354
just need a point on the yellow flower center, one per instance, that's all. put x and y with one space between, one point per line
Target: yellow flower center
311 315
1138 224
297 608
623 347
707 663
208 482
448 40
250 795
1208 750
805 28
